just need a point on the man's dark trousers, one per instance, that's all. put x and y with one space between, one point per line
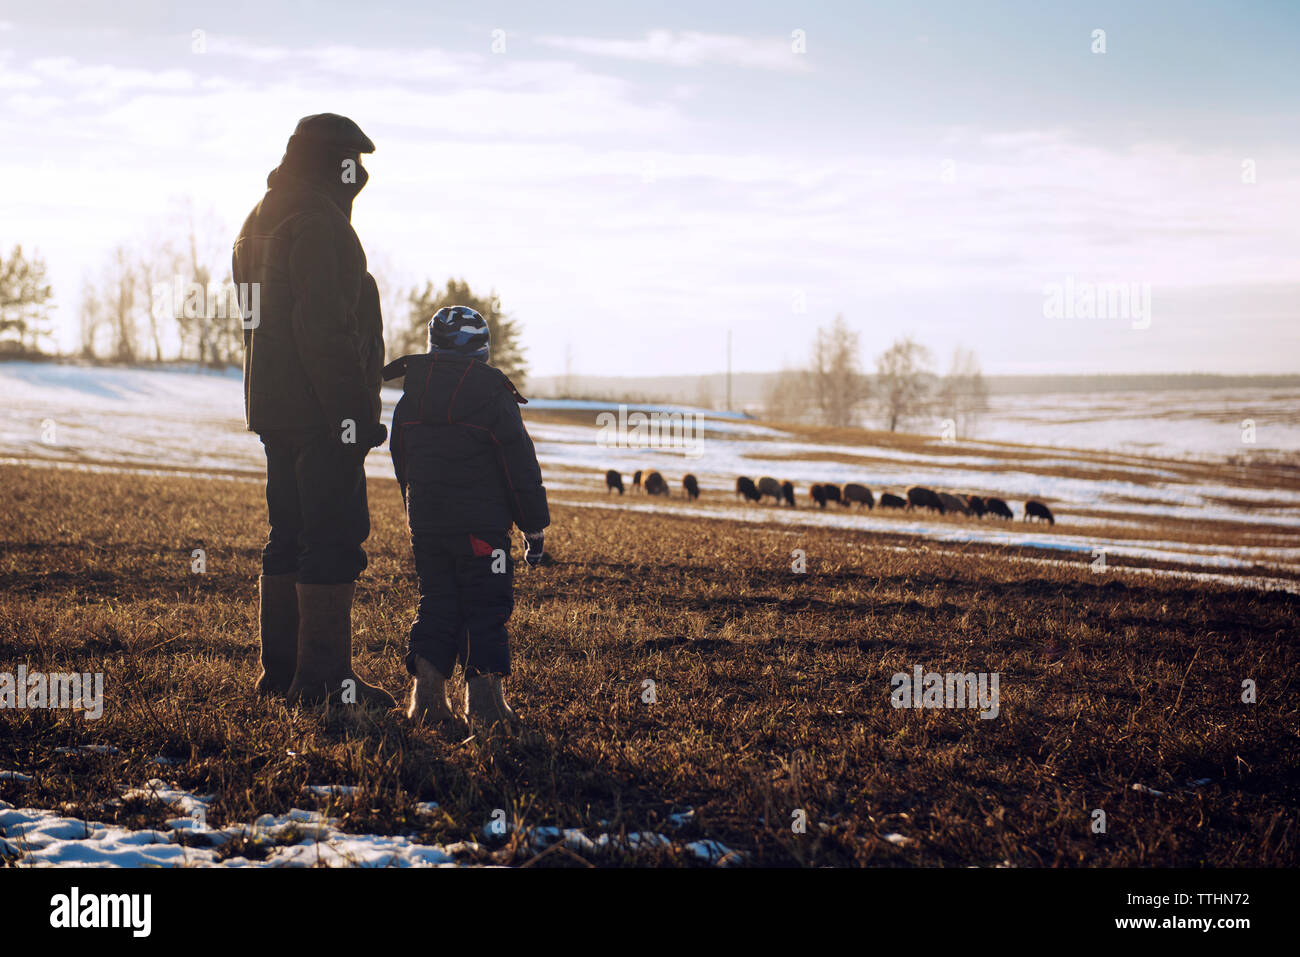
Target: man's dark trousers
466 597
316 497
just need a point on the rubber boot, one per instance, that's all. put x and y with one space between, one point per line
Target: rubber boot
429 695
325 650
278 623
485 706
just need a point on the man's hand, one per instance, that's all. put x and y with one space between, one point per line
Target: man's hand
535 549
367 435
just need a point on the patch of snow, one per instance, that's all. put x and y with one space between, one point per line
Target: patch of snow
156 789
32 837
332 790
541 837
1143 789
40 838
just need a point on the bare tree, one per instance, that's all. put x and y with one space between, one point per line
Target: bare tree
156 270
113 304
838 386
903 381
963 396
91 319
226 338
394 302
787 396
203 315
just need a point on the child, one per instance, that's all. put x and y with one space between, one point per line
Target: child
468 471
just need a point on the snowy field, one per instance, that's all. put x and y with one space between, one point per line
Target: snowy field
89 408
192 422
1175 423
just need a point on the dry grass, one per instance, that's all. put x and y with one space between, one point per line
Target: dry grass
772 687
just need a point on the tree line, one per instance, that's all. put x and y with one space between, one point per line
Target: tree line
173 299
833 388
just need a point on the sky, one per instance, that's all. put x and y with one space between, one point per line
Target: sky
638 180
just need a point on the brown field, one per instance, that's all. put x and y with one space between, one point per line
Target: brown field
772 690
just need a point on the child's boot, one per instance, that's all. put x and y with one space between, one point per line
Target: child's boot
428 695
485 706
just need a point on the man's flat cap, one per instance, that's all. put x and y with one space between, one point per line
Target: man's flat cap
330 129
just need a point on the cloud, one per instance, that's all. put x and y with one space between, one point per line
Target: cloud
10 80
112 78
423 94
689 49
221 46
35 107
404 65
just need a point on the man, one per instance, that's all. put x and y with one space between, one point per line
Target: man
313 355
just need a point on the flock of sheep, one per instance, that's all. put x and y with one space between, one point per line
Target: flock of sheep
918 496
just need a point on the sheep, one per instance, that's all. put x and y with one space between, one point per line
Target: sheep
746 488
613 480
691 486
655 484
918 496
1036 509
998 508
951 503
860 494
770 486
825 492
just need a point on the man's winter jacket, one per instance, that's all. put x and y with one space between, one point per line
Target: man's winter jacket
314 354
